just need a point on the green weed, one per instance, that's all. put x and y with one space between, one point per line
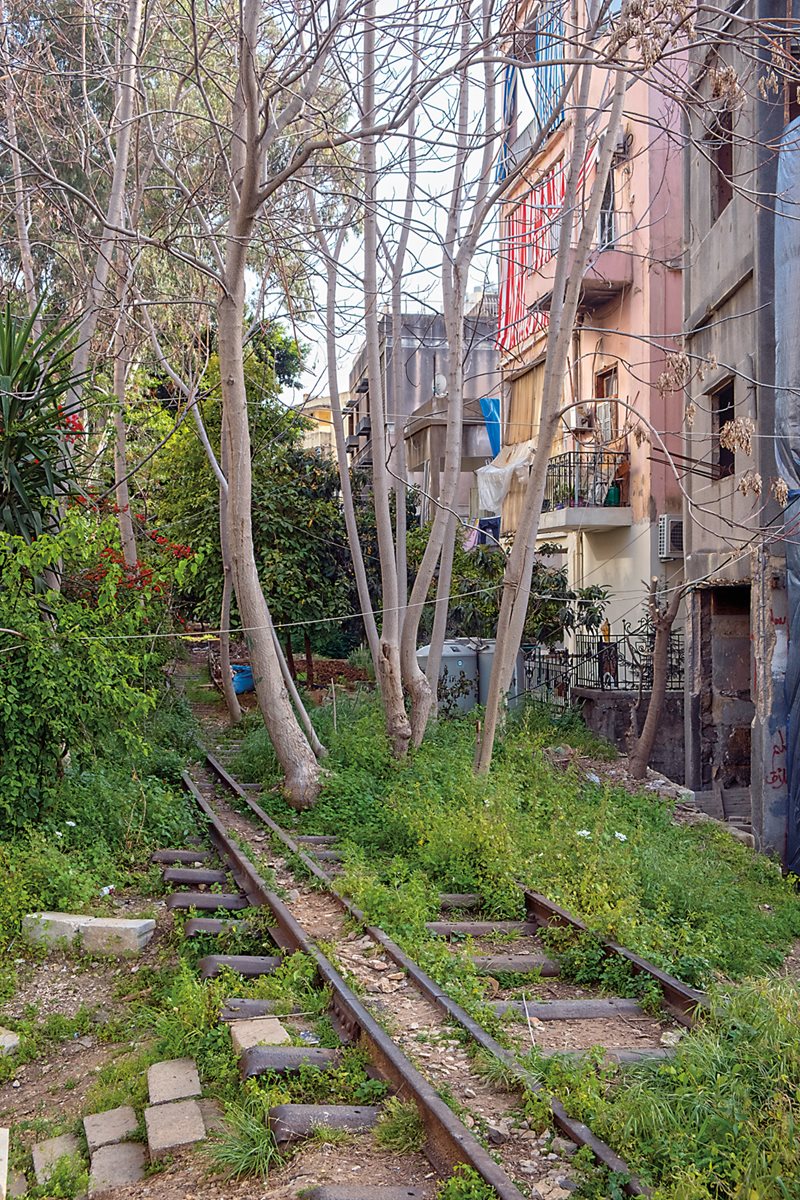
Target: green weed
400 1127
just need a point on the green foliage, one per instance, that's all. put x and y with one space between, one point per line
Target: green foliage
246 1147
69 1178
400 1126
34 462
464 1184
476 588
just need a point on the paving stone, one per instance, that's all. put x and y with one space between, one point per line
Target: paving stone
258 1031
98 935
17 1184
171 1126
52 928
46 1155
9 1042
176 1079
117 935
4 1135
115 1166
107 1128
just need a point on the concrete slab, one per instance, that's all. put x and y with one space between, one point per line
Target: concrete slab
53 928
176 1079
4 1136
115 1166
46 1155
17 1185
258 1031
98 935
171 1126
108 1128
117 935
9 1042
213 1118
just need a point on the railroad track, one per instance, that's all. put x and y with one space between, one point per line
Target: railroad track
419 1060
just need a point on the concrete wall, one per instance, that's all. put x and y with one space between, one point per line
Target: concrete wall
609 714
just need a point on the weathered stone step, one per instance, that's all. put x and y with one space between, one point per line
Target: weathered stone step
46 1154
98 935
236 1009
364 1192
207 901
194 875
180 856
196 926
294 1122
460 900
172 1126
257 1031
283 1060
482 928
173 1079
108 1128
249 965
569 1010
116 1166
315 839
515 964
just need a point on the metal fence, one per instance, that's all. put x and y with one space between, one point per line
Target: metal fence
620 661
584 479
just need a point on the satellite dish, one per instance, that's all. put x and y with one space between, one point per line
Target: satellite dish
440 385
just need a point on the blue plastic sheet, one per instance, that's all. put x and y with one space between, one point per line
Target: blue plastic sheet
242 679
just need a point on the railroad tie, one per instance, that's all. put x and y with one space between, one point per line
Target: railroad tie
569 1010
315 839
197 875
180 856
207 901
461 900
249 965
197 926
481 928
355 1191
240 1009
515 964
284 1060
295 1122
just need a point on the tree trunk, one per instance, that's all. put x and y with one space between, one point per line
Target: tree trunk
290 657
570 266
440 614
299 763
121 490
125 100
297 701
663 619
309 660
20 201
228 690
389 674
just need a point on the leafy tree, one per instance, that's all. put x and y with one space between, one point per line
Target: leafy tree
35 431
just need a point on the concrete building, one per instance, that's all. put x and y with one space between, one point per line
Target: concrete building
321 435
736 625
611 501
419 411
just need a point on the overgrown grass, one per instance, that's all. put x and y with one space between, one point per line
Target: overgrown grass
689 897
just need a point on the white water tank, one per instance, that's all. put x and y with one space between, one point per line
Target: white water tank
458 674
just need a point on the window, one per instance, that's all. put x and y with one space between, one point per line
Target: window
722 411
607 231
721 156
606 390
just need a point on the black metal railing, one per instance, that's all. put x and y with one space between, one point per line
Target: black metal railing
586 479
618 660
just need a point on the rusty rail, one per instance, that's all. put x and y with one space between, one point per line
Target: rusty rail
576 1130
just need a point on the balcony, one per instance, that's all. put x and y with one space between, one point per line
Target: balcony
586 490
364 426
352 443
608 273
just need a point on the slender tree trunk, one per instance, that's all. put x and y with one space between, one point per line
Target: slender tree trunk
397 724
566 294
289 653
440 616
121 490
228 690
125 103
20 202
662 620
309 660
297 701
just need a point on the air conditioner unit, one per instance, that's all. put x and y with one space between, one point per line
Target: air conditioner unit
670 537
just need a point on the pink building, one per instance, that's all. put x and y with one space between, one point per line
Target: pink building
612 502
